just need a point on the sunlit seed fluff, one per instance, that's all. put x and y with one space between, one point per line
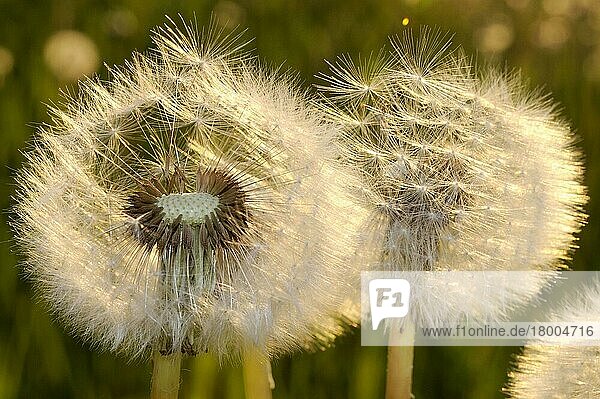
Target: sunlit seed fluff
461 171
187 205
561 372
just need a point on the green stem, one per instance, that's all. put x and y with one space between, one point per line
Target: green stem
203 377
400 362
165 376
258 380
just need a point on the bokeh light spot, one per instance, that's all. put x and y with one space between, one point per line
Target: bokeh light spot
70 55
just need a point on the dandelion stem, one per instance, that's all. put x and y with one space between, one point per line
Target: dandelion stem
203 377
400 362
258 380
165 376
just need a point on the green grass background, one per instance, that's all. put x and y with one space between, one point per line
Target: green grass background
38 359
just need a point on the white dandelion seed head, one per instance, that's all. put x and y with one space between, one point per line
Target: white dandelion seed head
461 171
187 205
561 372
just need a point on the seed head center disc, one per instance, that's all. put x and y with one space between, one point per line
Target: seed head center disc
193 207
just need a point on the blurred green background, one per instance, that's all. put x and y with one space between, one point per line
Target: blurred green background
47 46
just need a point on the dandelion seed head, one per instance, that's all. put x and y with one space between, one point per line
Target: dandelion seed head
452 152
187 205
544 371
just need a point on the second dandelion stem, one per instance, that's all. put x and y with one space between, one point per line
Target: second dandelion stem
165 376
400 362
258 381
